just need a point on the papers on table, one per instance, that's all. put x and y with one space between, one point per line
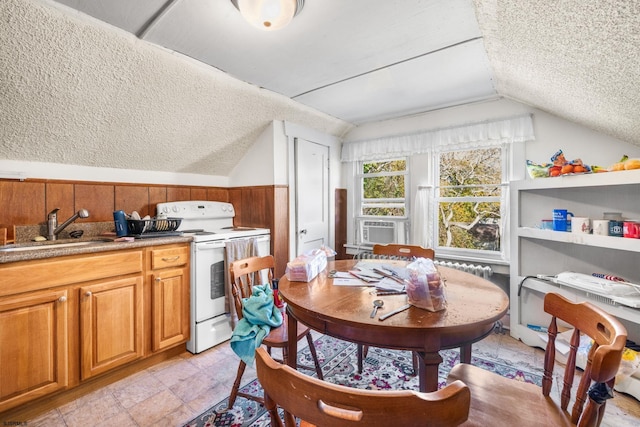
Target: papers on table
352 281
387 284
368 274
344 278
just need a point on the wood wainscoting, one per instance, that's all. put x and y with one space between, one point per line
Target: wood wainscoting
28 202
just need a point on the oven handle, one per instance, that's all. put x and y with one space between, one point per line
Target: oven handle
209 246
217 244
260 238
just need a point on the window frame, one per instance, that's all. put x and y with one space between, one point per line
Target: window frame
361 202
503 199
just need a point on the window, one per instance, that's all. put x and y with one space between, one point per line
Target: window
458 200
383 186
469 199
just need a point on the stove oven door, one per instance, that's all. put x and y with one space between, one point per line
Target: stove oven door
210 323
208 278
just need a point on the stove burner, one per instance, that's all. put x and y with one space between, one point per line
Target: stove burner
198 232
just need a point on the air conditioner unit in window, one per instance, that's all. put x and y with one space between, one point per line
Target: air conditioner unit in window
372 231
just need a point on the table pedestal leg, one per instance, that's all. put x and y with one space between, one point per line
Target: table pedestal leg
428 372
465 353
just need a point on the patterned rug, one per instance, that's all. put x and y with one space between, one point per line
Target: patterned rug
382 370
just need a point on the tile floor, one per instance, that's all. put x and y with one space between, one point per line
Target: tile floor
175 391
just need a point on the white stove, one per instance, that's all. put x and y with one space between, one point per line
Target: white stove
210 224
206 221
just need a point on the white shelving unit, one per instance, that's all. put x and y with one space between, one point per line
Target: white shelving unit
536 251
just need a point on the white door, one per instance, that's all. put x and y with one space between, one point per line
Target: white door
312 195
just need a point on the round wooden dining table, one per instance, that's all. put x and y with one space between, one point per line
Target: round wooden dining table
473 307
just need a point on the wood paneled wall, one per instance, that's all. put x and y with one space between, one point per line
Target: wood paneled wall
28 203
341 223
266 207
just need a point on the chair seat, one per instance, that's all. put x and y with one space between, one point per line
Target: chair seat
494 400
278 337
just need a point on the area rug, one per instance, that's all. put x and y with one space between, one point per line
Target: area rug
382 370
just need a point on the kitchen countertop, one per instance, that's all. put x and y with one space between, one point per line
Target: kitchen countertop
96 244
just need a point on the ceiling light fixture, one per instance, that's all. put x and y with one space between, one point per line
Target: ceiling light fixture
268 15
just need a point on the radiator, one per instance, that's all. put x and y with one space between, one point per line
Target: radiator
483 271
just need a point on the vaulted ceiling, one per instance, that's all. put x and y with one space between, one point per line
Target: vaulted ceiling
357 60
339 64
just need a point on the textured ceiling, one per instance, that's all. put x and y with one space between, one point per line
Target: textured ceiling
113 83
576 59
77 92
387 58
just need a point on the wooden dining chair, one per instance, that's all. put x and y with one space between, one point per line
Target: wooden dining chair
320 403
404 251
495 399
244 274
395 251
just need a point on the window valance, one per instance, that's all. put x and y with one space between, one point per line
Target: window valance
474 135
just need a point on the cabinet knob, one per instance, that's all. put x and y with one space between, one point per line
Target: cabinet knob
62 299
88 293
158 279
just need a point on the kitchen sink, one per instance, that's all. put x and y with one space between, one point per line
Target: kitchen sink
47 246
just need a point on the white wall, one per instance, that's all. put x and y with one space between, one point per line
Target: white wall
40 170
257 166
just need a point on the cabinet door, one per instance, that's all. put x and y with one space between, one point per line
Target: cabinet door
33 346
111 324
170 308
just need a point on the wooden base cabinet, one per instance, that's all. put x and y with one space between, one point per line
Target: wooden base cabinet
70 322
33 355
169 297
111 324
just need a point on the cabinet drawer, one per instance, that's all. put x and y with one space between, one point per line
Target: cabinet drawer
40 274
169 257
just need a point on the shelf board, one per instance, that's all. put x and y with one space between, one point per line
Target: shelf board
528 336
621 311
631 177
608 242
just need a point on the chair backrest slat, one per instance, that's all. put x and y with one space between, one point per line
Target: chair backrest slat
404 251
549 357
245 273
570 369
324 404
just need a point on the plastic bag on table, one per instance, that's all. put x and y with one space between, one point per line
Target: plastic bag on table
425 288
306 267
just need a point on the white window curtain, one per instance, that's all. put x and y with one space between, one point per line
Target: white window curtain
420 225
475 135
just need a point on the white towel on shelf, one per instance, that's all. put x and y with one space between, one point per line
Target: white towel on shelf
235 250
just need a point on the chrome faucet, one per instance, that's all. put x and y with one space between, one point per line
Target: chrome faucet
52 222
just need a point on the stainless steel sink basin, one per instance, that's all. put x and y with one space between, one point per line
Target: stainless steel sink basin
49 246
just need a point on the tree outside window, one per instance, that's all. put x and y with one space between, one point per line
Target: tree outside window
384 186
469 199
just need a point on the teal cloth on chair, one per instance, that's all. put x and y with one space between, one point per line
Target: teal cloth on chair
259 315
